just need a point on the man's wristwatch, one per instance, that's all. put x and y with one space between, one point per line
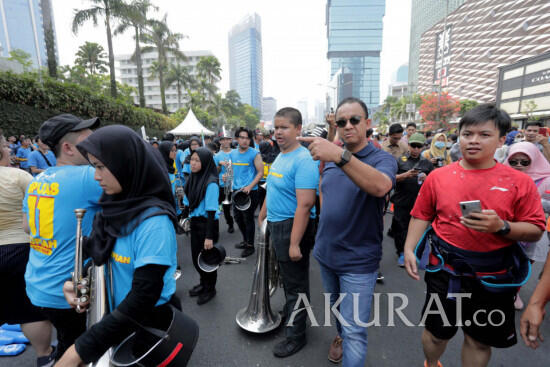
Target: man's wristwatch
344 158
504 230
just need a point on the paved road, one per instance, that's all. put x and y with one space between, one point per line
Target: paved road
222 343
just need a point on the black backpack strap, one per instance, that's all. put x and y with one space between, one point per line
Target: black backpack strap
46 159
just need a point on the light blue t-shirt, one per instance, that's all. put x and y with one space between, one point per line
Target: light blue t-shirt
152 242
289 172
180 157
222 156
37 160
209 203
49 203
244 169
173 182
23 155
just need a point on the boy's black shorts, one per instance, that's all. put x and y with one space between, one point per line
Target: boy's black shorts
487 317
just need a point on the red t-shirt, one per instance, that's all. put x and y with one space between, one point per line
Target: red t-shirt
512 194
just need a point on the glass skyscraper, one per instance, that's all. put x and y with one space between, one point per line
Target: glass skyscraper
22 26
354 32
245 60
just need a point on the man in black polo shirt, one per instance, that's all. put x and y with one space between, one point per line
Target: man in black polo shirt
412 169
348 245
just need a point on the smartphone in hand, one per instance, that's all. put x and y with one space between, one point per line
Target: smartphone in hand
469 207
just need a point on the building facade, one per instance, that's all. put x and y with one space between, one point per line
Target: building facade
354 33
269 108
481 36
126 72
424 14
23 25
245 60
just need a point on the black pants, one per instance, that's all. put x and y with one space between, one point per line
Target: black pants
226 208
68 324
400 226
198 234
261 194
295 274
245 219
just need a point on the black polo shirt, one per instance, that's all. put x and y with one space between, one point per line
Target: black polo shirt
407 190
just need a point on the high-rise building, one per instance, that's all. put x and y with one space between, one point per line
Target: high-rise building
354 32
302 107
269 108
320 112
23 25
127 73
424 14
399 85
245 60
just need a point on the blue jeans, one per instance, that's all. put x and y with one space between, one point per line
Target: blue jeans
354 336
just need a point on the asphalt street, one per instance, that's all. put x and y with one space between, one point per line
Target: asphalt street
223 343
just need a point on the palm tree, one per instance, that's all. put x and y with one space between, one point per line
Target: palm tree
209 71
181 75
107 8
134 16
160 39
92 57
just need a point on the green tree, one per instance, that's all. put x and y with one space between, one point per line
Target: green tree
181 75
466 105
50 52
135 16
160 39
91 56
21 57
109 9
209 73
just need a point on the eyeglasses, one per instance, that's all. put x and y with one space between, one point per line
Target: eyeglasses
416 146
243 137
354 120
523 162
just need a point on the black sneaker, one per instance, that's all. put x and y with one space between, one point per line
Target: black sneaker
241 245
205 297
230 229
196 290
380 278
248 250
46 361
287 348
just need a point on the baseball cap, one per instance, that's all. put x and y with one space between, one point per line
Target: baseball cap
52 130
417 138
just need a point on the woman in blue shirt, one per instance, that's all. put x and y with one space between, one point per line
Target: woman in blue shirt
135 232
201 196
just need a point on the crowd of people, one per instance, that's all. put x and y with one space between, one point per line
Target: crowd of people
139 194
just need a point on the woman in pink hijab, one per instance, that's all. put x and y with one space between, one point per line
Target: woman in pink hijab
527 158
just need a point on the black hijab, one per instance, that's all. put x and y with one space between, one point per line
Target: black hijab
141 172
164 148
192 139
195 187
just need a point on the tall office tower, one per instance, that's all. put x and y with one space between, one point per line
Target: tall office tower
424 14
23 25
354 32
245 60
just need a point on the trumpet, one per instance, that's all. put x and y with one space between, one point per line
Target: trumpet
92 285
228 183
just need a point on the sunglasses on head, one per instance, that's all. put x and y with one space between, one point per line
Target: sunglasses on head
523 162
354 120
414 145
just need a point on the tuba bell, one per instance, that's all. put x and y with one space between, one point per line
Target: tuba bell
257 317
92 285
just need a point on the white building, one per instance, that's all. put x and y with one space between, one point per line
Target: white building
127 73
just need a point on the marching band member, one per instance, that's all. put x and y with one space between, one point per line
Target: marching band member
201 196
247 172
48 209
291 185
136 232
168 151
221 159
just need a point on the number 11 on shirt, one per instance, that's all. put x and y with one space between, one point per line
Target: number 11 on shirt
41 207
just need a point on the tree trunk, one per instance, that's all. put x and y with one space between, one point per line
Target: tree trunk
111 54
141 89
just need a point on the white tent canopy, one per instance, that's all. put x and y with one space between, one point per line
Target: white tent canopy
190 126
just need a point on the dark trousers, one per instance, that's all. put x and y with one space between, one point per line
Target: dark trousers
261 194
198 235
226 208
400 226
245 219
68 324
295 274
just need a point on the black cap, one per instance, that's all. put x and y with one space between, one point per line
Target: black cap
52 130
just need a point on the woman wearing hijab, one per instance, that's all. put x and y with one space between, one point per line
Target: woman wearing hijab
168 152
135 233
201 196
437 153
194 144
526 157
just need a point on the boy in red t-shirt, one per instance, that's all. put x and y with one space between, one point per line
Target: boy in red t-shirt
511 212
